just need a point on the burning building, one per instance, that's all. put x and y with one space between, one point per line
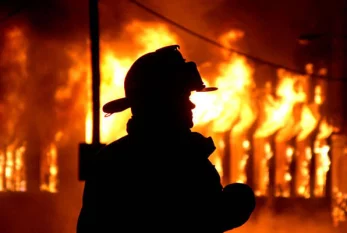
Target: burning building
271 129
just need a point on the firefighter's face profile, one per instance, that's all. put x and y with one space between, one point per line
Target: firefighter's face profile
181 109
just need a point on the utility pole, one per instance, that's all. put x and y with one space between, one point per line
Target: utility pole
95 55
87 151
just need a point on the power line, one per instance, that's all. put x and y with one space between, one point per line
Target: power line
219 45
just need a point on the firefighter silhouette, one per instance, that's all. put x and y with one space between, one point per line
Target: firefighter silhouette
158 178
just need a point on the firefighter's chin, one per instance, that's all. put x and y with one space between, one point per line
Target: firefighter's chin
190 122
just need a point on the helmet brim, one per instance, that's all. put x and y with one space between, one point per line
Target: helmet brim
122 104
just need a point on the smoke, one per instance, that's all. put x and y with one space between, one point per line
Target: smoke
271 28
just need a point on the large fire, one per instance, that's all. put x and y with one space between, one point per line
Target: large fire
241 117
229 113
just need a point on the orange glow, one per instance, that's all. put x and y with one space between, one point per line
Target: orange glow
113 68
244 123
321 150
226 113
12 167
49 166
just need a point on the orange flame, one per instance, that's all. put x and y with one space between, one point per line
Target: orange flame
114 67
12 176
230 111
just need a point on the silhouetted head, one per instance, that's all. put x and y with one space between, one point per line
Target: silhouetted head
158 86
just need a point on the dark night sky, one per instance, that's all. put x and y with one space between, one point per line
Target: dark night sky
271 27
